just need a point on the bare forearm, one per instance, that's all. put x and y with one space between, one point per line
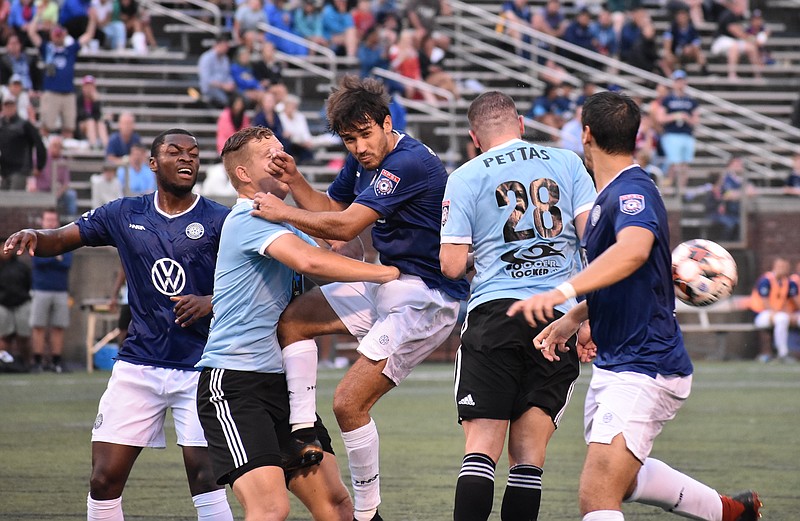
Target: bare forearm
612 266
308 198
328 225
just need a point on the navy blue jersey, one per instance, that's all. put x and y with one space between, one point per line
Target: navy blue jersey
407 191
674 103
633 321
162 256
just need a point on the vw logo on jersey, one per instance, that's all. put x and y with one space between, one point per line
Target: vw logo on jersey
595 214
168 277
195 231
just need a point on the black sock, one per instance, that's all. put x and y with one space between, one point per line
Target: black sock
523 494
474 488
306 435
56 359
37 359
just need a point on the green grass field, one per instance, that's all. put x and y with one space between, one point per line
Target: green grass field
739 429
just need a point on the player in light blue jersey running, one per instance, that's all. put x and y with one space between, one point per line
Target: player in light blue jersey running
242 400
522 208
642 374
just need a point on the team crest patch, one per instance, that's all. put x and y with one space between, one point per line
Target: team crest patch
445 212
384 339
195 231
631 204
595 214
386 183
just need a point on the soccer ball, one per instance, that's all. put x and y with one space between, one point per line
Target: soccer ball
703 272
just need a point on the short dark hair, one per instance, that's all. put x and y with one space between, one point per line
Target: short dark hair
159 140
613 119
356 102
491 106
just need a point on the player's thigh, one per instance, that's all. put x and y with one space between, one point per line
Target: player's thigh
322 491
412 321
240 413
485 436
632 404
133 407
262 493
353 303
310 315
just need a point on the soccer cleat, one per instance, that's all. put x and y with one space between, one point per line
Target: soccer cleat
744 506
302 454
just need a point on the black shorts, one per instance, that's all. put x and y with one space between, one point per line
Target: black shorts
245 418
500 375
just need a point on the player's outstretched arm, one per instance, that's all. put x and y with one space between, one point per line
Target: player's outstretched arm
337 225
45 243
325 265
191 308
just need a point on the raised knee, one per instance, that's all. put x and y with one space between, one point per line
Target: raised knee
102 488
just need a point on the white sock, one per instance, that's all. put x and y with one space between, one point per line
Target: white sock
604 515
300 364
660 485
362 454
781 333
105 510
213 506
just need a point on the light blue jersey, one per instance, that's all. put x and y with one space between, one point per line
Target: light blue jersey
251 290
516 205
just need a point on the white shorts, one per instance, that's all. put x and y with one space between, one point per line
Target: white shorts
632 404
401 321
722 44
134 406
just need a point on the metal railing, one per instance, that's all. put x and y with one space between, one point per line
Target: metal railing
155 7
329 74
465 27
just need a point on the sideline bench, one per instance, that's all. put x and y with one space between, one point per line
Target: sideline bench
699 320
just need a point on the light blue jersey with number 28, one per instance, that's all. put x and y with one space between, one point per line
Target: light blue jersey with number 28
516 205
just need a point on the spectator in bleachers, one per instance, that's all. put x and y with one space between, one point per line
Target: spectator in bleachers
296 135
732 189
247 17
16 61
111 30
121 141
363 17
56 171
605 37
421 16
74 16
25 108
682 44
267 114
49 302
647 139
732 40
588 87
232 118
571 132
268 70
654 106
775 300
695 8
514 13
279 16
307 22
550 20
214 73
137 25
21 17
372 52
793 179
678 116
638 42
19 141
550 108
5 29
758 29
404 60
339 29
579 32
106 186
48 15
620 11
15 308
91 124
431 65
246 83
136 177
57 105
644 158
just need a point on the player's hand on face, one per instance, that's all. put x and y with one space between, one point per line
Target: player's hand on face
191 308
282 166
587 350
538 309
268 207
20 242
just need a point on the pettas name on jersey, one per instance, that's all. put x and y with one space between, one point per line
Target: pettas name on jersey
521 153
